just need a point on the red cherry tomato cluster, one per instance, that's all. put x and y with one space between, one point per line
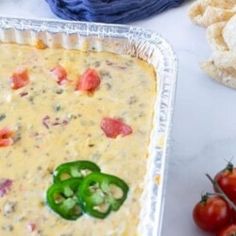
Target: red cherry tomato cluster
216 213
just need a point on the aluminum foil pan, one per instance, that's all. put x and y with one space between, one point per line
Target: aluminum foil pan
119 39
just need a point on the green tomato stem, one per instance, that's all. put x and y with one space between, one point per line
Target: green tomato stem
230 167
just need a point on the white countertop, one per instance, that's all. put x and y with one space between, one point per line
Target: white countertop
204 130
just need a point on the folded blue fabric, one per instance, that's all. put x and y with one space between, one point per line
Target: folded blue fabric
110 11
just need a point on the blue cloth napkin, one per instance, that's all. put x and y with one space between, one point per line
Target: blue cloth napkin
110 11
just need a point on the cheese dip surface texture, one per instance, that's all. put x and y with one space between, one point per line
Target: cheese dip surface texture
51 123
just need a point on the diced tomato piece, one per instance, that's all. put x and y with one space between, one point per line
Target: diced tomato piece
114 127
60 73
31 227
6 142
89 81
19 78
5 186
6 137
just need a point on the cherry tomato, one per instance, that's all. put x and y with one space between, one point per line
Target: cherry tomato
19 78
89 81
228 231
6 137
212 213
226 179
60 73
114 127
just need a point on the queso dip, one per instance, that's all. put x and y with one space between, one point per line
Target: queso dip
53 124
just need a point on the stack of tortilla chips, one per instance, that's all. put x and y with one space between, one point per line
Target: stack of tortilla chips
219 16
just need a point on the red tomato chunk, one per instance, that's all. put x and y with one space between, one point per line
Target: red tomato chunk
19 78
60 73
6 137
89 81
114 127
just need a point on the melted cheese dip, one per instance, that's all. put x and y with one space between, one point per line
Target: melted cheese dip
127 91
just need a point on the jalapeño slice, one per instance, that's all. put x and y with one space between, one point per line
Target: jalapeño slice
100 194
61 198
75 169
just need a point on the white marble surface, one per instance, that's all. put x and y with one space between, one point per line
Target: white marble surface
204 130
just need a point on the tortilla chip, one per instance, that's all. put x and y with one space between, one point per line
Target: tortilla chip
226 77
224 60
208 12
229 34
215 36
220 18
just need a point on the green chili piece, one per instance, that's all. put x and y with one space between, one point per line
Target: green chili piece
61 198
100 194
76 169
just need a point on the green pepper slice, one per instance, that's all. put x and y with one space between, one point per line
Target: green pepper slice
100 194
61 198
75 169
